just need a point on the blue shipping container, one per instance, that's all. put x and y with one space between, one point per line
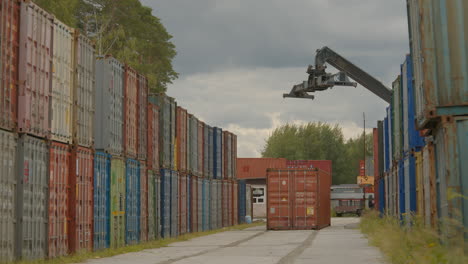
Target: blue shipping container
165 203
242 211
174 204
411 138
217 153
386 146
132 201
401 188
102 167
381 191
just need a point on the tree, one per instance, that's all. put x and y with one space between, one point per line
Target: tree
319 141
125 29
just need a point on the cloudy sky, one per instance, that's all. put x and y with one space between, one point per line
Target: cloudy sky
237 57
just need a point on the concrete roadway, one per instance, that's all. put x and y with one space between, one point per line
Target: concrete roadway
340 243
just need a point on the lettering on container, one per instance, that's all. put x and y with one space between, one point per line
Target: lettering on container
272 210
310 211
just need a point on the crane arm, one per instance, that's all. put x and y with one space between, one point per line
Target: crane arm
327 55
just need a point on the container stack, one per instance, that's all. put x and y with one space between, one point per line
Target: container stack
421 144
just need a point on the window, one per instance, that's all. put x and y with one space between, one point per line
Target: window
259 195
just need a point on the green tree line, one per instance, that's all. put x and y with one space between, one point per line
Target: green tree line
125 29
320 141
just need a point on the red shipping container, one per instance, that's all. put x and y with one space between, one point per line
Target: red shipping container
153 137
325 165
59 169
234 156
235 206
298 199
194 204
182 204
181 138
130 112
375 134
80 203
256 168
225 202
143 201
35 60
201 149
142 117
9 22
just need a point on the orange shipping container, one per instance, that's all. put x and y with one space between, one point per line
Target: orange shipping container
298 199
59 169
255 168
80 201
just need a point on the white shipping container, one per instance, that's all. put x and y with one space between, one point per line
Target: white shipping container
84 92
8 144
62 81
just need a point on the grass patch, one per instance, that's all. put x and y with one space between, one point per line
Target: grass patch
83 256
418 244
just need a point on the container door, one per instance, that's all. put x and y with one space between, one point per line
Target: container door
304 190
279 201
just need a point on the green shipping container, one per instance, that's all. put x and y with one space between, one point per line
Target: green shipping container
117 192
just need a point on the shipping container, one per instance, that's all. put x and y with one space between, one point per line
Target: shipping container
182 204
166 175
409 166
429 178
173 133
62 83
153 137
397 126
206 151
386 145
101 226
201 149
165 129
154 190
248 200
209 143
193 204
132 202
117 202
254 168
381 148
206 189
451 141
9 40
32 192
225 203
227 154
234 157
130 112
219 204
411 139
230 203
108 118
8 147
378 178
142 117
181 139
174 204
143 201
437 38
298 199
192 158
419 185
213 221
80 200
217 153
84 91
35 61
200 204
401 189
60 168
189 205
242 195
235 203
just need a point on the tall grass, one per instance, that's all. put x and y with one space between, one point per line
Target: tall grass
415 243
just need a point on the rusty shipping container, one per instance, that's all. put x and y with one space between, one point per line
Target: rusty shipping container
200 204
9 41
181 139
166 133
32 192
206 151
192 150
35 61
59 177
234 157
235 203
298 199
325 165
108 118
8 150
143 201
80 200
117 202
437 32
142 118
256 168
153 137
227 154
130 112
201 148
194 204
84 91
61 95
182 204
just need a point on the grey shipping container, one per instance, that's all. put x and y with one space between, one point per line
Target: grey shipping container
84 92
174 204
108 117
206 151
152 203
397 119
31 199
219 202
8 145
165 129
234 156
193 148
